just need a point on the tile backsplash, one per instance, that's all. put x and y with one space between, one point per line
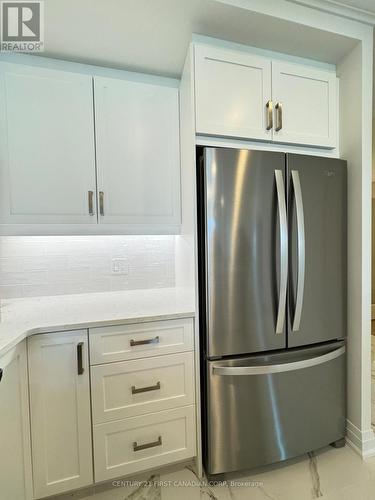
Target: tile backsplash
34 266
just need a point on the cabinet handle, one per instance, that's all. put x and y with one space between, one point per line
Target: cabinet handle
269 115
139 447
80 368
91 202
279 116
101 202
155 387
155 340
1 373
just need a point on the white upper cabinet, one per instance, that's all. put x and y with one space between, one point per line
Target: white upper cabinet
60 412
305 100
15 457
245 96
47 154
232 90
138 158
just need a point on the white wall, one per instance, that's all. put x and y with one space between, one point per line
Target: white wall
54 265
355 73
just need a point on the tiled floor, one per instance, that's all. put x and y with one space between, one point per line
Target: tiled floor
330 474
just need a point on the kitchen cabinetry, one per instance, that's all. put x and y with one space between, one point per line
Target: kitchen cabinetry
64 171
142 395
15 459
47 155
241 95
143 398
137 141
60 412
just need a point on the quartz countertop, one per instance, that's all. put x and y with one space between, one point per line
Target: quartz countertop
21 318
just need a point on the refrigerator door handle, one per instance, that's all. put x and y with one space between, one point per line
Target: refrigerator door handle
284 367
301 250
283 251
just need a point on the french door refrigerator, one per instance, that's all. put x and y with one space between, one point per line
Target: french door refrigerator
272 276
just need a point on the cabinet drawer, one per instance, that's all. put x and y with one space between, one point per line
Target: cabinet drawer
139 443
141 340
130 388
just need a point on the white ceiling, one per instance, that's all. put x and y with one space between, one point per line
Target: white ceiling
153 35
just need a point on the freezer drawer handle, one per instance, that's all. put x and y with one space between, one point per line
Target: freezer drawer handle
139 447
301 250
285 367
283 250
155 340
138 390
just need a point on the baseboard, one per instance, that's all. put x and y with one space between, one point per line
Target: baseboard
362 442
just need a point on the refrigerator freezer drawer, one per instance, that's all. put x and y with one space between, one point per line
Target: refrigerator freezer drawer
264 409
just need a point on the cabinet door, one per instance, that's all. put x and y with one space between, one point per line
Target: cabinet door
15 459
231 92
308 97
47 154
138 161
60 412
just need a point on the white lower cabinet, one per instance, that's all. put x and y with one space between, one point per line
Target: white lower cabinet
143 396
15 462
138 443
60 412
143 409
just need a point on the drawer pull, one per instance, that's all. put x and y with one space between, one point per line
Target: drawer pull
133 342
139 447
155 387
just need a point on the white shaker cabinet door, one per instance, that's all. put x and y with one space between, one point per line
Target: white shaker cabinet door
138 158
15 451
305 101
60 412
47 153
232 89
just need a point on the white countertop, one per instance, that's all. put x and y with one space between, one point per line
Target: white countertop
23 317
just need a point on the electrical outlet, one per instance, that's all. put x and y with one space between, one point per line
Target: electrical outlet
120 266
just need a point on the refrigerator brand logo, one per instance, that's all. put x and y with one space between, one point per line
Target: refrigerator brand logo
329 173
22 27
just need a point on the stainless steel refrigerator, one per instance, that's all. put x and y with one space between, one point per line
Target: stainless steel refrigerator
272 276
